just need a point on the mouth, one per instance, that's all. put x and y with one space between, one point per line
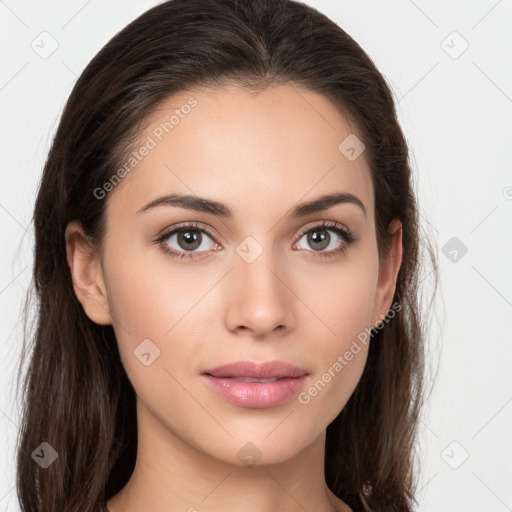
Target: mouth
250 379
259 371
256 385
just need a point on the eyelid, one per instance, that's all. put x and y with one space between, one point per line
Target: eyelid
326 224
191 224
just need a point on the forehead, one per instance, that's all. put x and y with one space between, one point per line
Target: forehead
226 143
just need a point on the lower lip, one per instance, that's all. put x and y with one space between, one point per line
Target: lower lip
256 394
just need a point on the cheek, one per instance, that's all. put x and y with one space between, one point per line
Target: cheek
146 298
153 332
344 304
343 299
157 312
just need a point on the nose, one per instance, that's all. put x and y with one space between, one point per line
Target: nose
258 298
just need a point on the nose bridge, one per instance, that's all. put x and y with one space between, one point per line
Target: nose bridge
258 298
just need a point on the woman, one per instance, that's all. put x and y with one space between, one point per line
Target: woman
226 263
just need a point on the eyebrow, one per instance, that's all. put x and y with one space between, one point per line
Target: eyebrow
201 204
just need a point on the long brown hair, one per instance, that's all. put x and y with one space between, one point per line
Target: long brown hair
76 395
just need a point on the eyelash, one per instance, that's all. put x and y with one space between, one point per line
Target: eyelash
344 233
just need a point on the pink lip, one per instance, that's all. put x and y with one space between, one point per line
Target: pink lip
225 381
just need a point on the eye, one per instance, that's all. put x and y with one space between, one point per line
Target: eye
187 241
195 241
319 239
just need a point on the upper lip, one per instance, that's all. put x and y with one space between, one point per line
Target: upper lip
255 370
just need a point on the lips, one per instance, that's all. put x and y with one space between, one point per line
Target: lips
250 379
256 385
259 371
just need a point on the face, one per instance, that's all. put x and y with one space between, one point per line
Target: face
188 291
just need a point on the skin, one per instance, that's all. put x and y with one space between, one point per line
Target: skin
261 155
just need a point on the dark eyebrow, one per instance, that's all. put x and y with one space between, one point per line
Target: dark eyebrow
198 204
201 204
323 203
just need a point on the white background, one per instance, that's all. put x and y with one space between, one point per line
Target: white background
456 115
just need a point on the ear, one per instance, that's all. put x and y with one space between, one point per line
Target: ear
87 274
388 273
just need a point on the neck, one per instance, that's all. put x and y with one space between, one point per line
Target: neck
171 475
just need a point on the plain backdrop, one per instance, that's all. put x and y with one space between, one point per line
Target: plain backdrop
448 64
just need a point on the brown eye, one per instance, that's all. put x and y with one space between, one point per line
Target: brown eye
188 241
318 239
326 239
